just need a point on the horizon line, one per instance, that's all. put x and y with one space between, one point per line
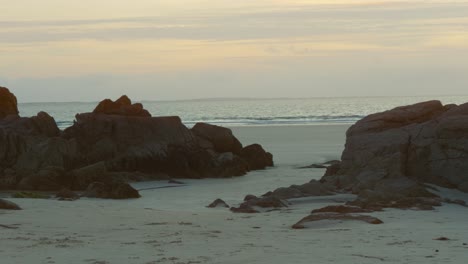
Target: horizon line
252 98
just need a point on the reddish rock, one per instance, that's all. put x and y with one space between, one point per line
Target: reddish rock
122 106
257 157
8 103
222 138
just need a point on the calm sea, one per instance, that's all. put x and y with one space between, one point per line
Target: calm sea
249 112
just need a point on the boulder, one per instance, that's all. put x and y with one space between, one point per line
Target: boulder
218 203
221 138
8 103
115 190
118 141
67 195
256 157
122 106
7 205
426 142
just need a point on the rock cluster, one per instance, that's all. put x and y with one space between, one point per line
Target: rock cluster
388 161
117 140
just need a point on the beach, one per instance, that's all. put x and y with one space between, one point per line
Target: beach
172 225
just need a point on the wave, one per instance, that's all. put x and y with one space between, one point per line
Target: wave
260 121
279 120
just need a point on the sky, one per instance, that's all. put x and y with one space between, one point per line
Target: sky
87 50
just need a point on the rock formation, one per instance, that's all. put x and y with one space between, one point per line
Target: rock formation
110 144
8 103
421 143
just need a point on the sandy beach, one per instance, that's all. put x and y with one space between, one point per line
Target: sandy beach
172 225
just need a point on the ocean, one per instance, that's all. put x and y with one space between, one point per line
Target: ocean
249 112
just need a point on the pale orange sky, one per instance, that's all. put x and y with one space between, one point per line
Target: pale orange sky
86 50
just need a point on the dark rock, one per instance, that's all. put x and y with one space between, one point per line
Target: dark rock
267 202
334 216
314 188
244 208
122 106
8 103
342 209
84 176
222 138
67 195
426 142
314 166
123 190
333 169
257 157
442 239
118 142
7 205
47 179
287 193
218 203
250 197
119 190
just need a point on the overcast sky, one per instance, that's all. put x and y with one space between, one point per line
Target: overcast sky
55 50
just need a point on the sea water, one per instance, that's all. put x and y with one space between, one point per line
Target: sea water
249 112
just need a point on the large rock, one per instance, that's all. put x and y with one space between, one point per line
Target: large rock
114 190
117 139
257 157
426 142
122 106
222 138
8 103
7 205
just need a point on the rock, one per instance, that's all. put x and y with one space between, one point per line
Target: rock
97 190
67 195
119 141
287 193
7 205
336 217
250 197
249 205
116 190
83 177
333 169
426 142
123 190
8 103
218 203
47 179
314 166
221 138
257 157
324 165
442 239
244 208
314 188
342 209
122 106
8 179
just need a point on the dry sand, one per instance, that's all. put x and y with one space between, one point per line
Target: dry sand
172 225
